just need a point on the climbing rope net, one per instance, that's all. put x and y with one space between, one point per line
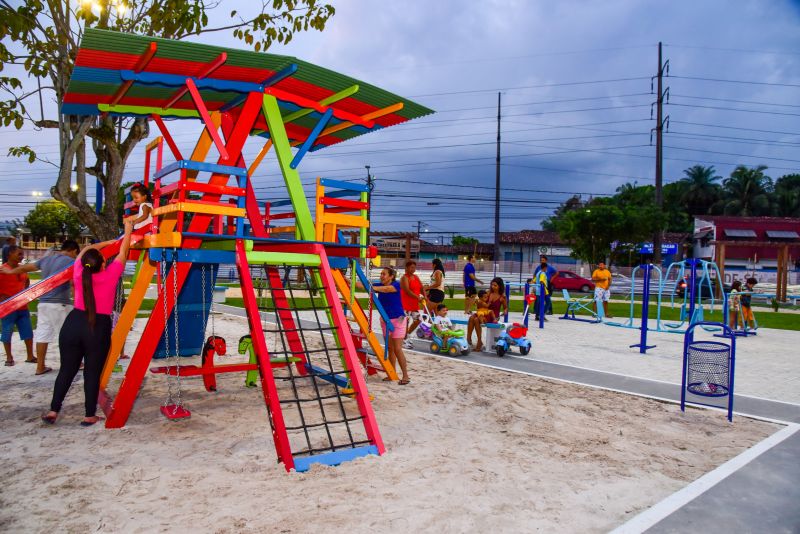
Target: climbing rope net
299 331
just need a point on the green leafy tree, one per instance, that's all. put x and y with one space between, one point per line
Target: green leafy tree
52 219
747 192
702 190
786 198
604 229
677 217
551 223
43 37
461 240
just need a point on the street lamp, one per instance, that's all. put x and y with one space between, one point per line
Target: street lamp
37 195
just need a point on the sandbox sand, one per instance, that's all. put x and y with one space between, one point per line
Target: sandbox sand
468 449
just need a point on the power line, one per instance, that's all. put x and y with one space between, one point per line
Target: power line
734 100
748 82
737 50
725 127
784 114
539 86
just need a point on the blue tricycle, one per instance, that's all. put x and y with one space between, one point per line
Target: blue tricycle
513 335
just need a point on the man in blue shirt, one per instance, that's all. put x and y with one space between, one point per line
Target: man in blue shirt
55 305
550 272
469 283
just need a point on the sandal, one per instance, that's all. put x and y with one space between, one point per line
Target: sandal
44 371
405 381
9 363
32 361
49 419
90 423
387 379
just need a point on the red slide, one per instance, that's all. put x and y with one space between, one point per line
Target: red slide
24 297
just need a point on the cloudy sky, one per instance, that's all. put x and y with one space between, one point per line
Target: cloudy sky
575 79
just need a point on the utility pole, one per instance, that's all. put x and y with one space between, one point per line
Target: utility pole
497 194
419 228
369 200
662 68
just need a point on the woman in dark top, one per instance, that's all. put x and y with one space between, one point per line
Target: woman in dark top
497 303
388 291
436 287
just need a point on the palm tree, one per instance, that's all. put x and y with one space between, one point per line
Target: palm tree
747 192
701 191
787 196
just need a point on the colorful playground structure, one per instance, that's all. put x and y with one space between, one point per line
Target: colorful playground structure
301 344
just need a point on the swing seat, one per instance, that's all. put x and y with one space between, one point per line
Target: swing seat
173 412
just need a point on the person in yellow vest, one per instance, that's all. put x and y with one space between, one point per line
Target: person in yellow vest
602 287
540 277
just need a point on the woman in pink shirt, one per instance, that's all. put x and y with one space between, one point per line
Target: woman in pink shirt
86 333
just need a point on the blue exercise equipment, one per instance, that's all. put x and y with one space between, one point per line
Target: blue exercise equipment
578 304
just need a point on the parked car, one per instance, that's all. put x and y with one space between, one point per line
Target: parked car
572 282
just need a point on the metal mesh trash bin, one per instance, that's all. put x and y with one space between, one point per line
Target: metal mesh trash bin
708 366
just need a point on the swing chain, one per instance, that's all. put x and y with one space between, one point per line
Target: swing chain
163 291
210 312
179 402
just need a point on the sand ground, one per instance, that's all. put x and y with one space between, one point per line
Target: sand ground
468 449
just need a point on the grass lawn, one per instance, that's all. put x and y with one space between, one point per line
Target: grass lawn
620 311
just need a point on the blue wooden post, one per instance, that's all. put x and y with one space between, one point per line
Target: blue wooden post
540 304
525 303
508 302
642 345
692 288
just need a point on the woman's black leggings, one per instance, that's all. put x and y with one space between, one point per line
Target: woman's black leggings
79 342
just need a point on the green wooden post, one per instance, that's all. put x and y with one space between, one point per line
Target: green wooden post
283 150
302 214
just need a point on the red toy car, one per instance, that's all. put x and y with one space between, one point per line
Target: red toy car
572 282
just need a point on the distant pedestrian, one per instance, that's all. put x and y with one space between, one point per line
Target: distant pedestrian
10 285
748 319
469 284
436 287
11 241
551 273
734 304
602 287
411 294
55 305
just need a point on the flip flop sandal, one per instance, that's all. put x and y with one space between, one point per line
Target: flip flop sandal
387 379
32 361
9 363
45 371
49 419
91 423
404 382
